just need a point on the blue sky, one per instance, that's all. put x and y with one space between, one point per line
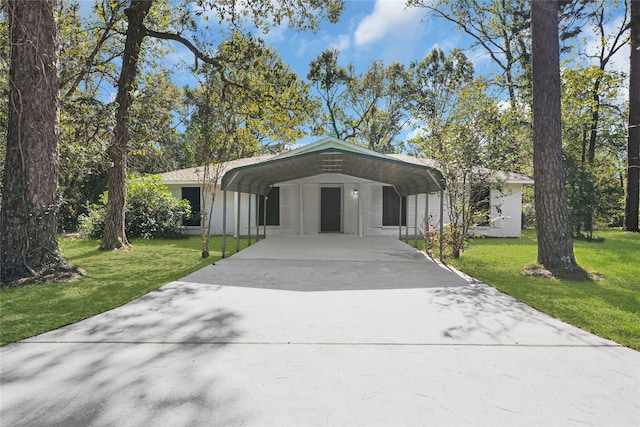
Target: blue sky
368 30
381 30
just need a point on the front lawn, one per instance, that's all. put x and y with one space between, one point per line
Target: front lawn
112 279
608 306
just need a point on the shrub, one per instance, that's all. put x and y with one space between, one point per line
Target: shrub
151 211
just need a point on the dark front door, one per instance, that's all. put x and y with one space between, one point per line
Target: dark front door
330 209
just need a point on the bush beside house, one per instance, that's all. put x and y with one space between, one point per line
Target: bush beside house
151 211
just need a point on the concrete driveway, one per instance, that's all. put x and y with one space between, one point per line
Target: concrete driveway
326 330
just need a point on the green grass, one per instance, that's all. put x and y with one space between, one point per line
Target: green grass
609 307
112 279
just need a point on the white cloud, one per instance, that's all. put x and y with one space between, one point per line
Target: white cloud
388 17
415 132
275 34
341 43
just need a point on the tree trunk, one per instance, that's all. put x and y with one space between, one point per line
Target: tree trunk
28 220
555 246
114 234
633 152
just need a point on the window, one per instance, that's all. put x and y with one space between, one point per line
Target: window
391 207
480 203
192 194
273 207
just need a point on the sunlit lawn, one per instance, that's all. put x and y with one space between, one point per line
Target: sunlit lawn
112 279
609 307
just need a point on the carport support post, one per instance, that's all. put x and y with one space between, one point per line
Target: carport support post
224 221
427 215
415 221
441 219
249 223
400 214
238 223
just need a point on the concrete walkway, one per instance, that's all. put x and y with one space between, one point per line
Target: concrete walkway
320 331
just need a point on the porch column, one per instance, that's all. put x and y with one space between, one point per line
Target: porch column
224 221
426 213
257 217
264 215
301 210
400 216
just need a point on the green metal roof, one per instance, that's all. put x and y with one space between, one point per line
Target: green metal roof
331 155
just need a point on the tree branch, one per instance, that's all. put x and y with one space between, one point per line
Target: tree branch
177 37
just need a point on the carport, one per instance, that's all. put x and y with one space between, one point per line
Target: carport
330 156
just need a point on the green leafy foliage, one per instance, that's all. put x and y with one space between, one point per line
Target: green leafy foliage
369 109
594 154
461 129
151 211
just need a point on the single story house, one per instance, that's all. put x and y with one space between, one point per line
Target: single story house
334 186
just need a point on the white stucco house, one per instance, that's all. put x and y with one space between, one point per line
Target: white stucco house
336 187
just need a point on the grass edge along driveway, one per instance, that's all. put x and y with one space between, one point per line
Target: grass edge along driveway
113 278
608 307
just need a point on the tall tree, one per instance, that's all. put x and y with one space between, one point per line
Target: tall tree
633 151
301 14
437 80
28 220
330 80
498 27
555 245
114 235
370 108
4 90
610 44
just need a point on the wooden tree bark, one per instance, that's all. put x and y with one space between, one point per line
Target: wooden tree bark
555 246
28 220
633 147
114 234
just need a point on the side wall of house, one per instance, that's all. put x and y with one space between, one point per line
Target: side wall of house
360 209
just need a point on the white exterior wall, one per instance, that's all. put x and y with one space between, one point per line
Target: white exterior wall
506 213
361 214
